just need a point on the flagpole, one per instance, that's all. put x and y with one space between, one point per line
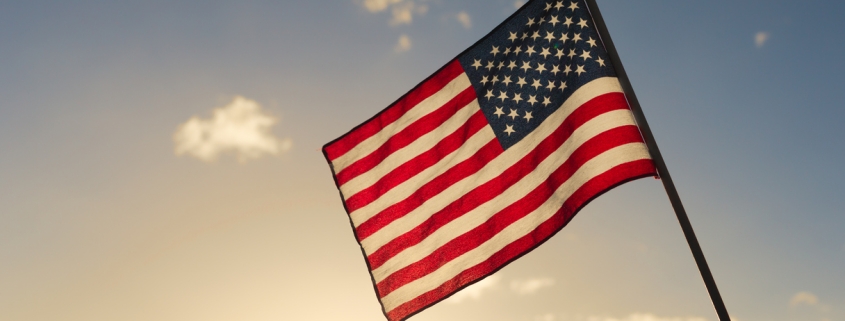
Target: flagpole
662 170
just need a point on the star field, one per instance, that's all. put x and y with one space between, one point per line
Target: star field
526 68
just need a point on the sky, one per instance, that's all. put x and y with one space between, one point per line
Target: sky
160 160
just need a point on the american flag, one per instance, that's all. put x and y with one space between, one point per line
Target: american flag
487 158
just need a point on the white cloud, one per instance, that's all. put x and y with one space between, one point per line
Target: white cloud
804 298
761 38
240 127
378 5
644 317
531 286
403 14
465 20
402 11
404 44
518 4
475 291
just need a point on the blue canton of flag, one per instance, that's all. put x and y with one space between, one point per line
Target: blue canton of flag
524 70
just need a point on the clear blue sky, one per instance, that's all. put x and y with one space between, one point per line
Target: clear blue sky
101 219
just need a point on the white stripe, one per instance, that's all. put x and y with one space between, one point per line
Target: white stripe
490 171
405 189
430 104
419 146
596 166
515 192
584 94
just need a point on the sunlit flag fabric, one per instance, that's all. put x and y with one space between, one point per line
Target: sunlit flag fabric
487 158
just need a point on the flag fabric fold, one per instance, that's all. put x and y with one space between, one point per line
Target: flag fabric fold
487 158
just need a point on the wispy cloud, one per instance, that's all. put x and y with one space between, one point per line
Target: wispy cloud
240 127
464 18
378 5
403 11
531 286
804 298
761 38
475 291
809 300
404 44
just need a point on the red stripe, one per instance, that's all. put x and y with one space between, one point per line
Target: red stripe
593 188
494 187
466 168
395 111
519 209
408 135
420 163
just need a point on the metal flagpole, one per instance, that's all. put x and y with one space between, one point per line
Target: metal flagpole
709 282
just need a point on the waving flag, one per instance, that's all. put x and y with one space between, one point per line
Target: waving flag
487 158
